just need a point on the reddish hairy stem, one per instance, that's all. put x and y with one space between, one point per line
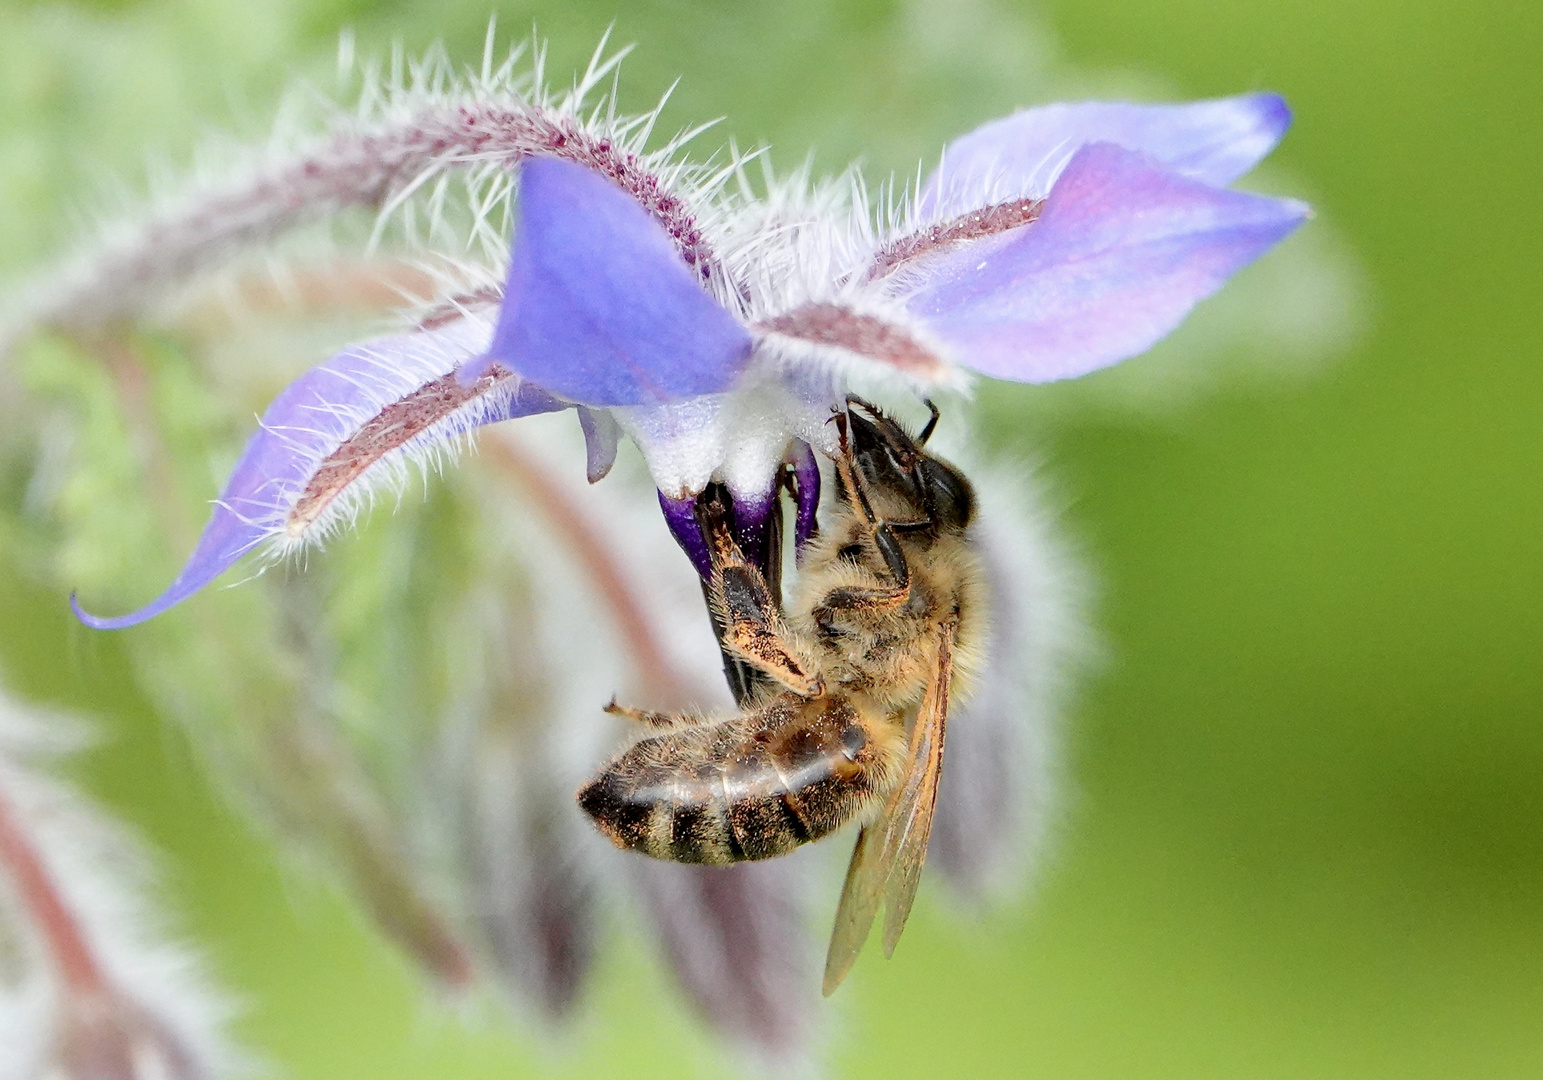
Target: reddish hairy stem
340 284
866 335
659 676
351 168
63 937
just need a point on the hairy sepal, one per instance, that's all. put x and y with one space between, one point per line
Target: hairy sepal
858 342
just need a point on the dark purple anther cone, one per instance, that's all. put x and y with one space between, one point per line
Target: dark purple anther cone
752 519
806 470
680 515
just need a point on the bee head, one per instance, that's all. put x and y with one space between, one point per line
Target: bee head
888 459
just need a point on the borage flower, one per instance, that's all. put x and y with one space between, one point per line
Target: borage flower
719 331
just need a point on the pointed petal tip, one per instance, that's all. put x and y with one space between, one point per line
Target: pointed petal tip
1215 141
467 374
1274 113
99 622
1125 247
201 569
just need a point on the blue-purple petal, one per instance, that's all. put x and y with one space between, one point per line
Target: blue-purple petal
1214 142
1124 248
599 307
394 394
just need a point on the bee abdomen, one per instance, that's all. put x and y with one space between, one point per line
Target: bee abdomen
667 816
734 792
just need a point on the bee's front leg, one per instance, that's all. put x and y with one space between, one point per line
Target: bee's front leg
754 629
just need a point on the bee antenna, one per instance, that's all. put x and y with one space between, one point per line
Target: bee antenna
932 422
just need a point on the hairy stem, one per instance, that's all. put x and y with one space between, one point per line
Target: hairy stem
63 937
353 167
987 221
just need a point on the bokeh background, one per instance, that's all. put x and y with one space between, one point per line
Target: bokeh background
1304 836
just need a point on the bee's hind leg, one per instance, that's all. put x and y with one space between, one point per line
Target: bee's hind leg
657 720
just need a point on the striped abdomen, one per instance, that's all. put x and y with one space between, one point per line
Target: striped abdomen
749 788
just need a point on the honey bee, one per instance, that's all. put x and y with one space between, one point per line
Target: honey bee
883 629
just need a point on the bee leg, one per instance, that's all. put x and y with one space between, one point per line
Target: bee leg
884 538
657 720
872 601
754 630
932 423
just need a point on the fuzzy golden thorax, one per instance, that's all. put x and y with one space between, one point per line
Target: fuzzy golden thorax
888 654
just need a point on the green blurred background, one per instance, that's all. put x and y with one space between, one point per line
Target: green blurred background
1306 835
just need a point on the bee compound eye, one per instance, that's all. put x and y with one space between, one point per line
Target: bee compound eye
953 501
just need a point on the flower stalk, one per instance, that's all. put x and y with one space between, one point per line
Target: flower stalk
64 938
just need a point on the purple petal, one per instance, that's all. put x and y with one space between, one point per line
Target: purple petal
1214 142
1123 250
599 308
327 430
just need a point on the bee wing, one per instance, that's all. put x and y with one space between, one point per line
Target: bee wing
911 826
860 898
887 861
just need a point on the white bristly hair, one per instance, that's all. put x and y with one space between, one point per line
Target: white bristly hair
90 986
